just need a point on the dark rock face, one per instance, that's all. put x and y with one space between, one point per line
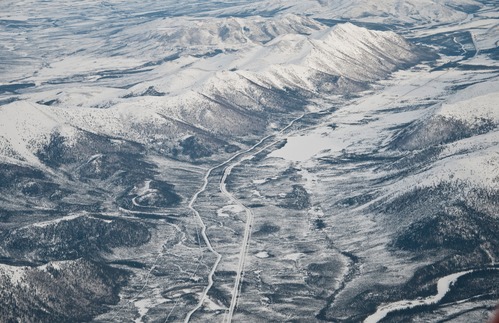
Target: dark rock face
103 166
151 91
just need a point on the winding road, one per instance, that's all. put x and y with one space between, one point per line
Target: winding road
249 216
250 153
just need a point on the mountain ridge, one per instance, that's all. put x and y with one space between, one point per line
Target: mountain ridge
309 67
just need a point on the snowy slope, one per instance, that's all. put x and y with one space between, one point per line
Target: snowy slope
474 104
23 128
471 160
190 93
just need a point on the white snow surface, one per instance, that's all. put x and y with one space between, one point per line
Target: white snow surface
262 255
53 222
304 147
14 273
478 101
229 210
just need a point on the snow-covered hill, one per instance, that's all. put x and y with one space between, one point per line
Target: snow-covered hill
255 71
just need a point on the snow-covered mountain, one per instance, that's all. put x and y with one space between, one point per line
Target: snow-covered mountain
302 58
207 161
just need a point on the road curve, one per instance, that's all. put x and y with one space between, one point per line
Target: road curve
247 231
206 241
243 253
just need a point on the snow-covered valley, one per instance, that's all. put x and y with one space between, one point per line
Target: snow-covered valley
262 161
